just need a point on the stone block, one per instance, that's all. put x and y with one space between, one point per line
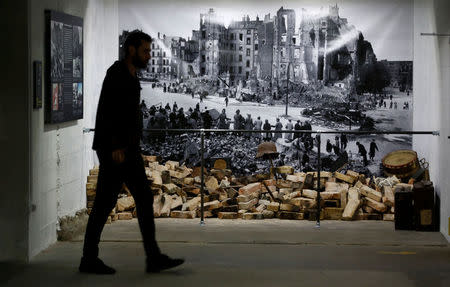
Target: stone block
212 205
125 216
333 213
211 184
228 215
371 193
273 206
344 178
267 214
251 189
289 207
248 205
171 188
183 214
389 217
378 206
290 215
309 193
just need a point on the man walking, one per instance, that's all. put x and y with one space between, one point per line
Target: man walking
372 148
363 152
118 130
344 141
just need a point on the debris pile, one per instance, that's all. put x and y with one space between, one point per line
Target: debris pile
344 196
238 148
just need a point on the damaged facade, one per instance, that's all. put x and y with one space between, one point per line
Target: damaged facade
400 73
321 48
243 47
212 44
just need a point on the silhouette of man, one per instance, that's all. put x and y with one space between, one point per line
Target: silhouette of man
118 130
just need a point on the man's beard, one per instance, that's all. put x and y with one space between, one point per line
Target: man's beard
138 63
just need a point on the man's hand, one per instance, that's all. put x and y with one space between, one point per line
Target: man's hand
118 155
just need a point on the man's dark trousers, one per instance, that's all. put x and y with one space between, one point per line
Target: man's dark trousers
110 179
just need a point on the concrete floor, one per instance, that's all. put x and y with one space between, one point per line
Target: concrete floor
251 253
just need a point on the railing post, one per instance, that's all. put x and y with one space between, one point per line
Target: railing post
202 137
318 137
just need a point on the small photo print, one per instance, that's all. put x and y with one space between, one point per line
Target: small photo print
77 92
56 95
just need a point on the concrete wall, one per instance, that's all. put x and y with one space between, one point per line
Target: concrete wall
14 132
431 95
61 153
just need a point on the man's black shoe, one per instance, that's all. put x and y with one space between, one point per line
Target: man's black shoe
95 266
163 262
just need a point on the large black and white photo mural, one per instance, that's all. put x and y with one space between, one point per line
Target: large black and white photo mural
270 65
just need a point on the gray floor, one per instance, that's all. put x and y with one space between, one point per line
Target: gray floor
252 253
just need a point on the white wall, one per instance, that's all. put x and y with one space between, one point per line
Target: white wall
431 95
61 153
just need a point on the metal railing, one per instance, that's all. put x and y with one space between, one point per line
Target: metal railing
318 133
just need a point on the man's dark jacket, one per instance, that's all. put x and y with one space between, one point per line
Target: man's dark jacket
118 122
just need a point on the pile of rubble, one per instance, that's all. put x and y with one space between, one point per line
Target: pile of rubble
239 149
349 196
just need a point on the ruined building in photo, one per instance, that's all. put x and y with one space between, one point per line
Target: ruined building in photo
401 74
243 45
323 47
284 44
328 47
211 44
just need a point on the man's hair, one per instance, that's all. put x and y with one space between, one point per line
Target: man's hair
135 39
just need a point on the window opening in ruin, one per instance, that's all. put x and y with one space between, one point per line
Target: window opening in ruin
248 64
241 37
294 40
249 31
256 47
284 24
248 41
203 34
240 69
248 52
240 58
312 36
321 39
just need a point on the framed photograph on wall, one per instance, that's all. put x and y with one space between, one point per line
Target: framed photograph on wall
63 68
